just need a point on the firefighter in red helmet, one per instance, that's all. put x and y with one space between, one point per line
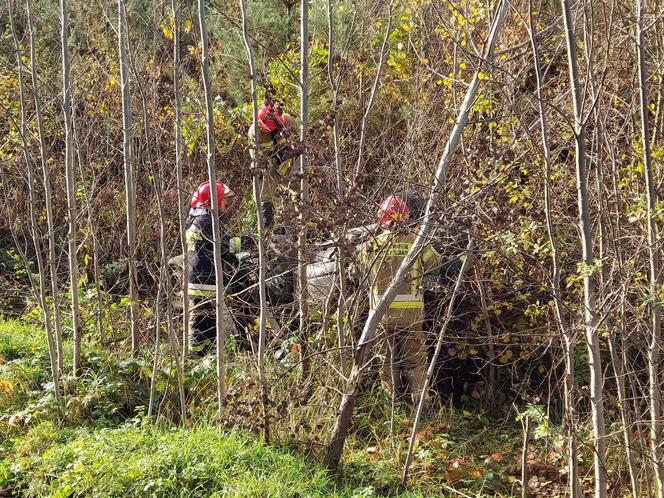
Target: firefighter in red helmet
276 130
404 368
201 275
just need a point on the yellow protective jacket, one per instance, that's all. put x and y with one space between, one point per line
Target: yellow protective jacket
275 148
380 259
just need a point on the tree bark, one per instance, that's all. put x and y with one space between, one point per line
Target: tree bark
34 226
71 189
345 411
589 284
262 265
653 252
224 321
182 213
48 195
341 189
165 282
130 195
303 285
567 333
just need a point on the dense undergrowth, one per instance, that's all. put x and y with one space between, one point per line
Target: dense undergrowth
105 445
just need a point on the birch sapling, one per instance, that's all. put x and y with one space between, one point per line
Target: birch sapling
262 264
224 321
568 334
71 188
182 213
34 226
48 192
304 187
130 195
653 253
589 283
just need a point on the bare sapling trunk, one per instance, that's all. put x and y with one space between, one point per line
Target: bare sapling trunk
48 193
653 252
633 446
165 282
372 95
262 265
92 227
524 456
567 332
434 359
71 189
345 412
489 402
182 213
224 321
155 358
303 285
130 194
341 188
34 226
589 283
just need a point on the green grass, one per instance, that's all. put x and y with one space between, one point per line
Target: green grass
144 460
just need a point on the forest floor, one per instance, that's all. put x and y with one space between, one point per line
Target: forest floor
105 445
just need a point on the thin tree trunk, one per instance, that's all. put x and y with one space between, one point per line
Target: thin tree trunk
262 265
633 447
163 270
224 321
182 213
589 285
71 189
93 235
155 358
303 286
374 91
351 392
130 194
653 252
434 359
619 373
524 457
567 333
48 199
341 188
34 226
489 402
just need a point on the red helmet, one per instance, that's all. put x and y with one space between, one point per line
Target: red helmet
202 198
392 209
270 119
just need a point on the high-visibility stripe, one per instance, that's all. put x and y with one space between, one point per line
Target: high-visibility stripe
235 244
407 305
195 286
402 301
205 290
203 293
285 167
405 297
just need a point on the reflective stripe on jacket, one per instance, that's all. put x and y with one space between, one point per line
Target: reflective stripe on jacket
381 259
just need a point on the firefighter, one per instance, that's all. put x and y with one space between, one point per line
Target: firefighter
404 368
201 276
275 130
